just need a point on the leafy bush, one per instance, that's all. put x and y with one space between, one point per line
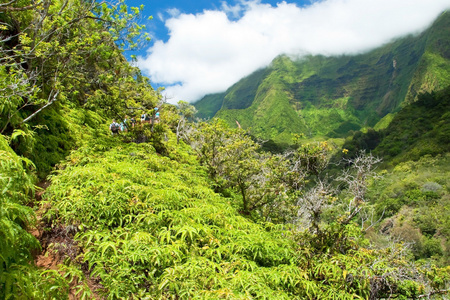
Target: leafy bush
431 247
417 193
151 226
152 217
431 187
19 279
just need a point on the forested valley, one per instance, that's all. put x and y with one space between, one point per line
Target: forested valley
179 208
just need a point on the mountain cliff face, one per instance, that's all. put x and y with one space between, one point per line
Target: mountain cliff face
329 96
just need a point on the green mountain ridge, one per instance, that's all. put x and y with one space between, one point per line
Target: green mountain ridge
420 128
329 96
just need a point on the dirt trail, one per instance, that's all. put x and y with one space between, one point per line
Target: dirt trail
44 259
57 244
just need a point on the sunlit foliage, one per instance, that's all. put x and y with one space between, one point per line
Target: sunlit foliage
151 226
181 210
19 279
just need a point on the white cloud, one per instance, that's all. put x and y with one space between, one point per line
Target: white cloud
208 52
171 12
233 11
160 16
174 12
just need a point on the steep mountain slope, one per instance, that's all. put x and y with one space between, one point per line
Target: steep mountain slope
329 96
239 96
411 199
420 128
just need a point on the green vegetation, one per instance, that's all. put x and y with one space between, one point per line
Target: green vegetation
280 121
413 201
19 279
150 226
433 69
180 210
67 66
420 128
211 106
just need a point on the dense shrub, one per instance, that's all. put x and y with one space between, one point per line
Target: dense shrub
151 226
19 279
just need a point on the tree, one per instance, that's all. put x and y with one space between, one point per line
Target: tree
186 114
64 50
356 178
234 160
312 203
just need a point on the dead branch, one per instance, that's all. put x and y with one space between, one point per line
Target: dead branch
438 292
43 107
7 7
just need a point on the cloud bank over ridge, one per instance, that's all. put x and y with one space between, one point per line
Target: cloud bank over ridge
208 52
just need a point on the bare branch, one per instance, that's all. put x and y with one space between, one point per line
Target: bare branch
43 107
438 292
312 204
356 177
8 3
6 7
372 223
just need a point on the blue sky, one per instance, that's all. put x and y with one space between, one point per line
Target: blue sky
200 47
